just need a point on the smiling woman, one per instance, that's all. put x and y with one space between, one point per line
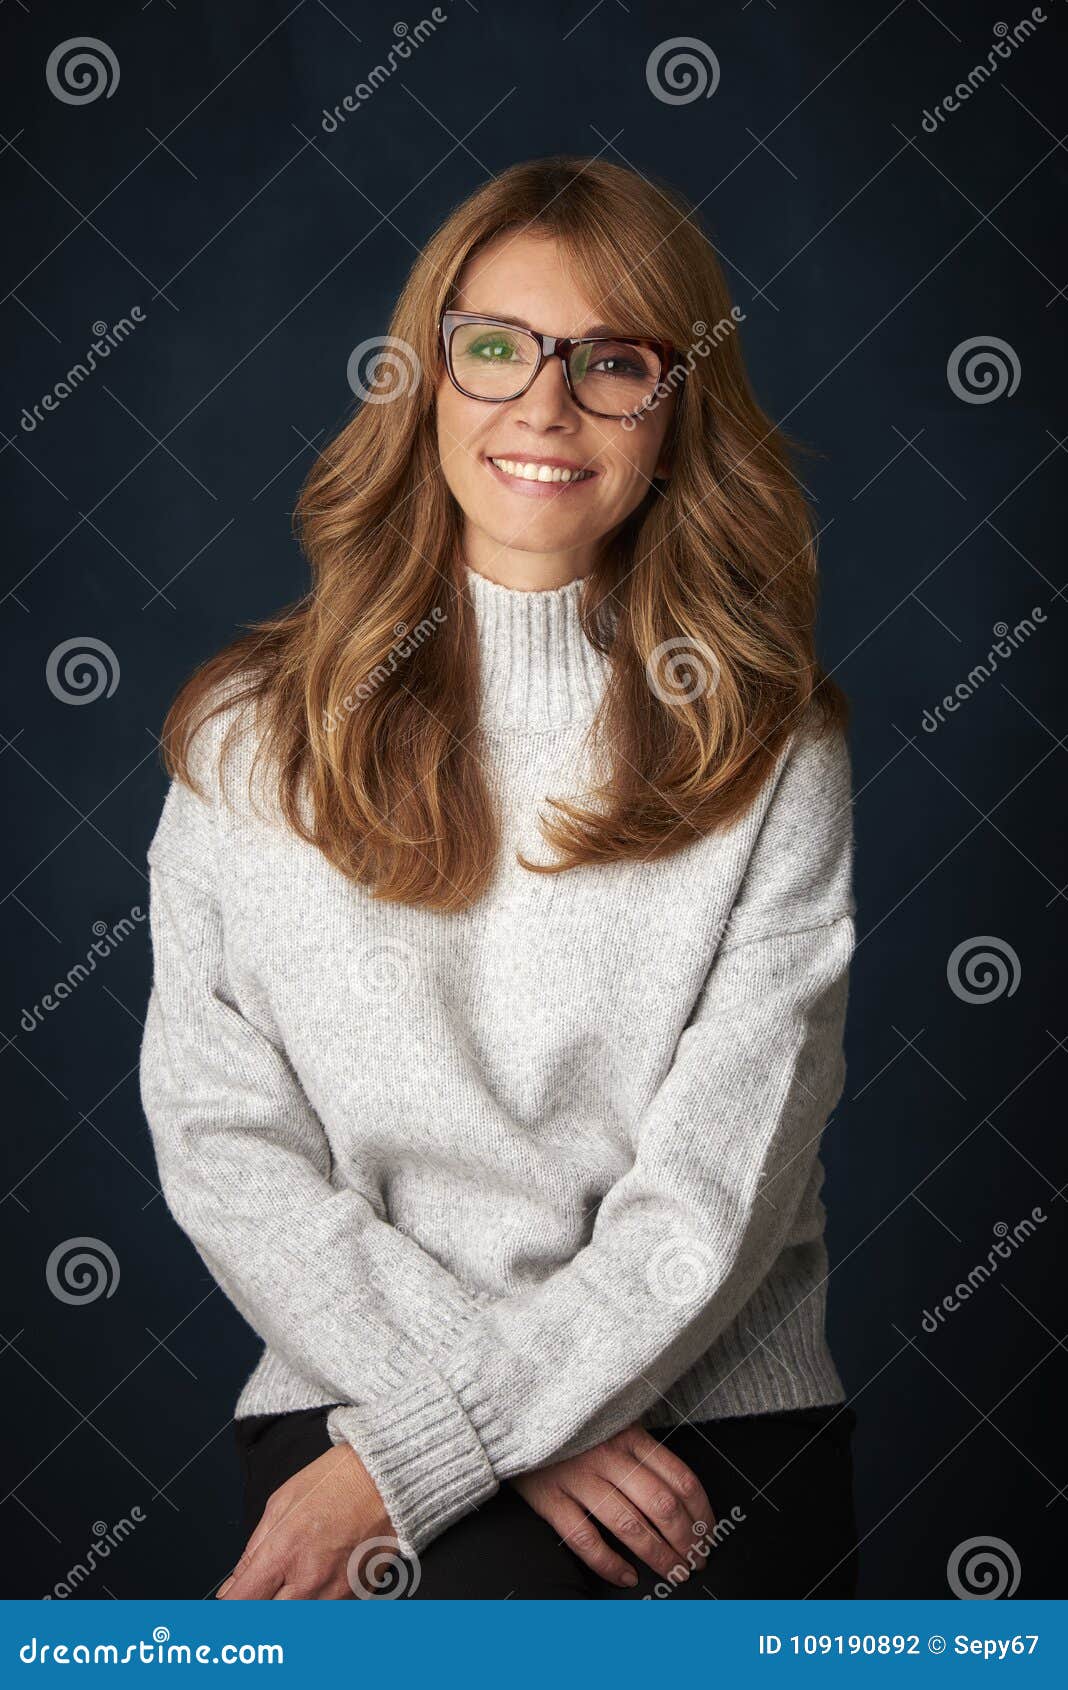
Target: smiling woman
501 973
605 377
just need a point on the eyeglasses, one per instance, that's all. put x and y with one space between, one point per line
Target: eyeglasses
607 375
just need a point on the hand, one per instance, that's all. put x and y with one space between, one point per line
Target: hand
643 1493
309 1531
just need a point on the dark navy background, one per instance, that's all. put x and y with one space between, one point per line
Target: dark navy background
151 510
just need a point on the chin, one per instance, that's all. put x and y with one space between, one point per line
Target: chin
539 537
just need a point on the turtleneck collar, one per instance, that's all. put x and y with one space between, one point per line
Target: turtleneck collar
537 668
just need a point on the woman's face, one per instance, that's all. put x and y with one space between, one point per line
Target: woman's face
524 276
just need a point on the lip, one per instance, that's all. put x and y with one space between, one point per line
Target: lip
539 489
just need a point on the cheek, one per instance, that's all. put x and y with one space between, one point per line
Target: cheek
444 415
453 459
459 423
638 451
637 460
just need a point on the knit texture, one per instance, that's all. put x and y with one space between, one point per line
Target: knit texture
502 1182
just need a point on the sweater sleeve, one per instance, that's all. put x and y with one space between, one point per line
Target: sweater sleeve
348 1300
723 1154
244 1165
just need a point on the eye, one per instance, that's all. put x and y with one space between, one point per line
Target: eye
495 348
614 364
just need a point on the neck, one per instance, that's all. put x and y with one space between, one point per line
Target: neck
527 571
537 669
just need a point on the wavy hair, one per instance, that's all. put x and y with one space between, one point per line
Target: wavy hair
375 749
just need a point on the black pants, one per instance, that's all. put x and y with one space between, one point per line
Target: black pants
787 1476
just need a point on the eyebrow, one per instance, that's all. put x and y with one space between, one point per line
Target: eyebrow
594 331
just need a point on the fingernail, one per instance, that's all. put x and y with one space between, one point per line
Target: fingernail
630 1577
224 1587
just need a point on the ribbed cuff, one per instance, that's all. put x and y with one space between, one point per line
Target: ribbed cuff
424 1455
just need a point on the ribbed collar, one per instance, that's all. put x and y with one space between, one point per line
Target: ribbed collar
537 668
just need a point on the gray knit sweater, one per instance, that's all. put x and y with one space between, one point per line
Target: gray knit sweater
503 1182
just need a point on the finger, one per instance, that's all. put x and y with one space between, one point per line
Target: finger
237 1569
234 1573
577 1530
670 1514
605 1502
655 1457
258 1582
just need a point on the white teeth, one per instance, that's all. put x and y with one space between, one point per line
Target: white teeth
539 472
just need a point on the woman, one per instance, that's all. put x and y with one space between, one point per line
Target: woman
502 916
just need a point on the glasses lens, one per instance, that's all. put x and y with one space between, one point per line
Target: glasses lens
490 361
612 377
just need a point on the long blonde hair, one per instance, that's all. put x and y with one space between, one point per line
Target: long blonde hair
376 755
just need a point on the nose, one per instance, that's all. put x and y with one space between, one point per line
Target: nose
547 404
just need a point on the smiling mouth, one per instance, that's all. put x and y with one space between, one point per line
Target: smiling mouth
519 469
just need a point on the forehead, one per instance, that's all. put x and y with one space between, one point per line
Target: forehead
529 277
